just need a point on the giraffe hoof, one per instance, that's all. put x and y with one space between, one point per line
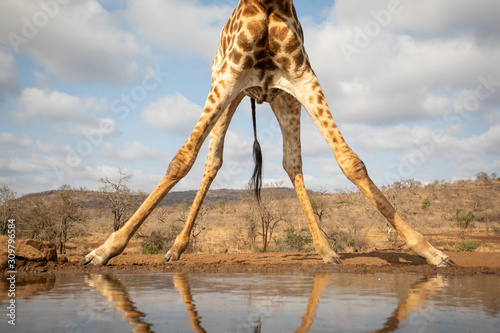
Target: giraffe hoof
93 259
334 261
171 256
447 262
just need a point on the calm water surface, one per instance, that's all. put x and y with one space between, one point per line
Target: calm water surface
302 302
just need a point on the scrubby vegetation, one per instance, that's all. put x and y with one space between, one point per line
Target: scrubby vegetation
455 216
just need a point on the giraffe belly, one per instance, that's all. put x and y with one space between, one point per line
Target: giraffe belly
262 95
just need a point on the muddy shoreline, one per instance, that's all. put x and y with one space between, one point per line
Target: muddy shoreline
372 262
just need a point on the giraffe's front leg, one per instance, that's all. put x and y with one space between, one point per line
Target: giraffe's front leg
178 168
114 245
212 165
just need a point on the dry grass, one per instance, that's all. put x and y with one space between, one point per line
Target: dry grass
348 217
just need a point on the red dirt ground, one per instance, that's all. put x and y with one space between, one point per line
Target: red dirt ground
380 261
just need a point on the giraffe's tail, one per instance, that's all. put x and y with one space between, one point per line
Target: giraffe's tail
256 180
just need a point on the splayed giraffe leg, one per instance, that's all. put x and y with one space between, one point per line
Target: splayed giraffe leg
287 111
212 165
178 168
311 96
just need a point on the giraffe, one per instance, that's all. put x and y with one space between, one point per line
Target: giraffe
261 55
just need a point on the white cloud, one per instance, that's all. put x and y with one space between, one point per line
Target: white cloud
396 75
80 41
45 147
132 151
173 113
449 17
377 139
77 113
7 138
8 71
53 105
180 27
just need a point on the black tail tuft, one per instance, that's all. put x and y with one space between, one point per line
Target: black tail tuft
256 180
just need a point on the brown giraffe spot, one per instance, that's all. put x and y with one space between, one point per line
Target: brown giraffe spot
248 62
262 54
216 92
255 28
292 45
207 110
243 42
211 99
249 11
321 100
274 47
320 112
311 99
235 56
284 63
279 32
284 7
299 59
333 136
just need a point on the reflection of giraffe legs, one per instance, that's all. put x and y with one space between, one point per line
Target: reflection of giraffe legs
320 282
117 294
414 299
182 284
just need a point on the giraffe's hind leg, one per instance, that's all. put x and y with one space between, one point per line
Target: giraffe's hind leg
287 111
212 165
311 96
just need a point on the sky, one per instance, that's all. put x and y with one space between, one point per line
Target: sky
88 87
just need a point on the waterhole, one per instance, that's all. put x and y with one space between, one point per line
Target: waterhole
217 302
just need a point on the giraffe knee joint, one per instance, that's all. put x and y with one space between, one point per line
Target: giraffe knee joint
212 167
355 169
177 169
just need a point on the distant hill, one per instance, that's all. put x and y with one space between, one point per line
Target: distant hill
91 199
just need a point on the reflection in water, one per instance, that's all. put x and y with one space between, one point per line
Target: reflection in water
115 291
320 282
413 300
182 284
27 287
328 302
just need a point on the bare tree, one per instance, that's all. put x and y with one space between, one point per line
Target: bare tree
199 223
198 226
319 205
7 207
67 213
267 215
118 198
37 220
